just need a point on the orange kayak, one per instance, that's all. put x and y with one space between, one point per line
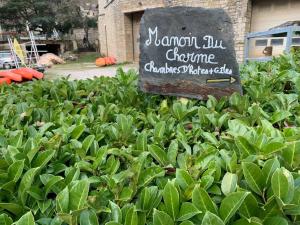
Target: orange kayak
26 75
35 74
10 75
5 81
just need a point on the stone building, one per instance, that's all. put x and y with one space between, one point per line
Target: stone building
119 20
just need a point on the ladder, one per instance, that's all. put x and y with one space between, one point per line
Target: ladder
32 56
13 53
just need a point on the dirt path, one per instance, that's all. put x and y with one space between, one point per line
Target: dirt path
84 71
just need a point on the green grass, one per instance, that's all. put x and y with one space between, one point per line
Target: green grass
89 57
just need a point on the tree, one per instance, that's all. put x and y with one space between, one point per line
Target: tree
89 20
40 15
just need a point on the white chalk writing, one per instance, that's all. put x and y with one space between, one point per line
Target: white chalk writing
198 55
188 41
173 55
186 69
212 43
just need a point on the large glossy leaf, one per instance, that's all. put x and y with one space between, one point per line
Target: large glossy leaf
50 221
211 219
5 220
78 195
159 154
249 208
50 181
253 176
231 204
26 182
187 211
171 200
230 160
229 183
149 174
131 217
43 158
72 175
202 201
251 221
13 208
244 146
159 130
116 213
161 218
10 153
87 143
272 147
269 168
173 152
125 194
276 221
17 139
26 219
279 116
291 154
292 210
280 184
88 217
77 132
184 179
179 110
187 222
45 127
149 198
291 186
32 151
63 201
210 137
142 142
270 209
15 170
44 205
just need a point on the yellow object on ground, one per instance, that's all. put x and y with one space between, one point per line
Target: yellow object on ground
19 51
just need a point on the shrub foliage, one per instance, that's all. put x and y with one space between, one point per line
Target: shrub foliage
101 152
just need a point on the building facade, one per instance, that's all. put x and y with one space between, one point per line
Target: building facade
119 21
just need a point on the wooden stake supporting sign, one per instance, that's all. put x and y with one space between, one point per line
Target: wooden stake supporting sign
188 52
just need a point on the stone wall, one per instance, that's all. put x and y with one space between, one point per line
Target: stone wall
79 34
115 22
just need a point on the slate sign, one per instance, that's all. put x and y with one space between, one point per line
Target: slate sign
188 52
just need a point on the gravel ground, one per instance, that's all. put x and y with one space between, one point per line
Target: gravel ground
84 70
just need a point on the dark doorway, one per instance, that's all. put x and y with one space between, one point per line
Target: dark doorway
48 48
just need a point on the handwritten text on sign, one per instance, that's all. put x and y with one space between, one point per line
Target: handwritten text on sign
197 56
188 52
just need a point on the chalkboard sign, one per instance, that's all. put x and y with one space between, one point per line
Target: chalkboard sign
188 52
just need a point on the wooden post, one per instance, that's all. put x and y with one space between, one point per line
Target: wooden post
246 52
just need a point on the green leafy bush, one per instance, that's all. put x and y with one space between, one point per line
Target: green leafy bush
101 152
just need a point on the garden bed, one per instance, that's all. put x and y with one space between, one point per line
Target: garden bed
101 152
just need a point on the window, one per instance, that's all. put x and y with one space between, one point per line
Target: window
296 41
262 42
277 42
